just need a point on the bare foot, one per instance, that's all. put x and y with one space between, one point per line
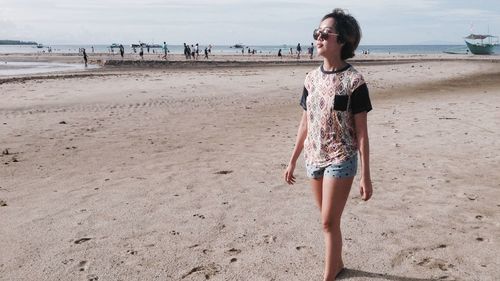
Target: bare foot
340 269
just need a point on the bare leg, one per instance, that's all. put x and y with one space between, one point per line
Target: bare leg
317 187
334 198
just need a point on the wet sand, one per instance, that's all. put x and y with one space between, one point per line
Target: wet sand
131 173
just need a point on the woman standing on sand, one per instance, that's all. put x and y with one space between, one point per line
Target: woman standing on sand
333 129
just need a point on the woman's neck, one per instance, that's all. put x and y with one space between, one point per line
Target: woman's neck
333 64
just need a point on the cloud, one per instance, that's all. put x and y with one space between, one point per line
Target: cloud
229 21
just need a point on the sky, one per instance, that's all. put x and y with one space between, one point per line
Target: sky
250 22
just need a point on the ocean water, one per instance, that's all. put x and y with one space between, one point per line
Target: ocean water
23 68
224 49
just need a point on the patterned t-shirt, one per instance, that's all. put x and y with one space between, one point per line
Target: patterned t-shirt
331 98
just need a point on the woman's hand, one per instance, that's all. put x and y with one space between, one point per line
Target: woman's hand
365 189
289 178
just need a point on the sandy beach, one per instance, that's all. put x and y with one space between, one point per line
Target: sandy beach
130 172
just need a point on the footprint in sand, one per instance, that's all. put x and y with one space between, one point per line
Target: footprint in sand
208 270
224 172
67 261
471 197
432 263
82 266
132 252
81 240
268 239
3 203
440 246
92 277
233 251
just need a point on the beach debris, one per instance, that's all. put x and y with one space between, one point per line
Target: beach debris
62 122
233 260
81 240
3 203
223 172
480 239
479 217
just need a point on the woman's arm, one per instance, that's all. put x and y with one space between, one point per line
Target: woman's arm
299 145
361 124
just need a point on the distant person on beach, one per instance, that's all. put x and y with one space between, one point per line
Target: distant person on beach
186 51
192 51
291 51
197 50
165 50
310 51
333 129
299 49
122 51
279 54
206 52
92 49
141 53
85 59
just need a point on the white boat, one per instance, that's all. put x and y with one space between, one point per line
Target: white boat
477 46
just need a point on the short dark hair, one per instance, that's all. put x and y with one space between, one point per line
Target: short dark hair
349 32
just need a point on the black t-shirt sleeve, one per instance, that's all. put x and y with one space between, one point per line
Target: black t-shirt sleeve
360 100
304 98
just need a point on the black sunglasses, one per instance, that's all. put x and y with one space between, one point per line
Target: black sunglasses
319 33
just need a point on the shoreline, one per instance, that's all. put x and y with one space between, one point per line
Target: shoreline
106 64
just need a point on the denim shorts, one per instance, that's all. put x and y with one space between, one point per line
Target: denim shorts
345 169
